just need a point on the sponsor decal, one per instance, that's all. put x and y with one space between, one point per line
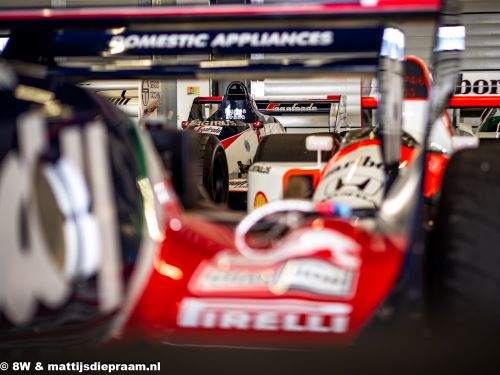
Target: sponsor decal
150 97
213 123
145 92
255 39
289 315
238 185
478 84
296 107
152 108
235 114
274 107
309 275
362 161
149 41
362 183
260 199
416 82
356 179
215 130
264 169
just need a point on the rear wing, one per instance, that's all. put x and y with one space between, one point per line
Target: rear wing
477 95
474 101
466 112
108 43
455 102
277 106
302 115
476 89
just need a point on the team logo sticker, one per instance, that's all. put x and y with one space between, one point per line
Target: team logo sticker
213 123
260 199
238 185
307 275
215 130
145 92
356 179
296 107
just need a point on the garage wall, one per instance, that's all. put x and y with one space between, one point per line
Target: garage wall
185 100
482 21
418 42
483 41
419 39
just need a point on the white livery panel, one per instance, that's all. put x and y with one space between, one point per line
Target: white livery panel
356 179
241 149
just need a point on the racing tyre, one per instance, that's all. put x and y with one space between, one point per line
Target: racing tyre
464 253
215 175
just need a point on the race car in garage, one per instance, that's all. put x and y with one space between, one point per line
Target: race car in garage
160 272
228 142
297 115
276 175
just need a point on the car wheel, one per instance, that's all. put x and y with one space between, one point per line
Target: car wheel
215 176
463 277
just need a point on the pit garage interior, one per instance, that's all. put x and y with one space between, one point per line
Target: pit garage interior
177 217
480 18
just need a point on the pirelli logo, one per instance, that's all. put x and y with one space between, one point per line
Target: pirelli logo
289 315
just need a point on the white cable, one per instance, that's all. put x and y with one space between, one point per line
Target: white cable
257 215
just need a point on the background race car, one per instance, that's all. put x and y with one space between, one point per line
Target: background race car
229 139
297 115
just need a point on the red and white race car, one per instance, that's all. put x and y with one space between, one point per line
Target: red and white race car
230 137
353 174
100 246
240 143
